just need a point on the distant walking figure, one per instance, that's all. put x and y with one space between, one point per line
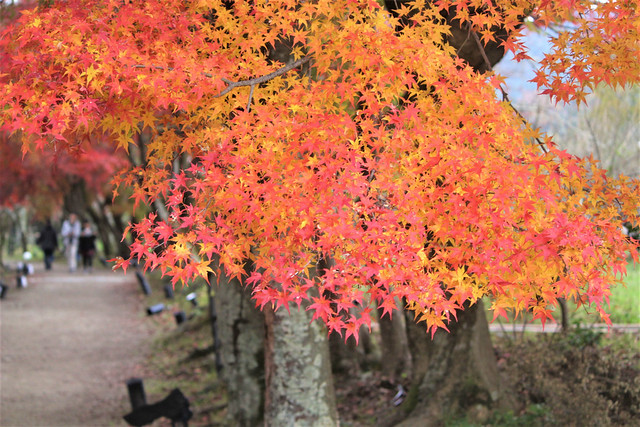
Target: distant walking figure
48 242
87 247
71 229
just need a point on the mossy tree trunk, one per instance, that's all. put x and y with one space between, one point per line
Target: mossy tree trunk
298 371
455 374
241 331
396 359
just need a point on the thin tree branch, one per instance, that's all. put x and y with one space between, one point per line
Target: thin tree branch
594 139
505 96
250 98
251 82
482 51
258 80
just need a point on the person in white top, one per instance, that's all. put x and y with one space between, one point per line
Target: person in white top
70 232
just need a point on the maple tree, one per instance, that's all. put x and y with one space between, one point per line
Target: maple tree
606 127
374 147
44 185
43 179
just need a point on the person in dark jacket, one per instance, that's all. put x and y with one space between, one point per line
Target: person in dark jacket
87 247
48 242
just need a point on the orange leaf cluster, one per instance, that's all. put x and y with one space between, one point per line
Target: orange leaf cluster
382 155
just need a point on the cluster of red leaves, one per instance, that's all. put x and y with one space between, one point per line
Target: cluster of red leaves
42 178
437 196
601 44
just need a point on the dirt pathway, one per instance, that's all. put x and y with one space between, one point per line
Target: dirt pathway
68 343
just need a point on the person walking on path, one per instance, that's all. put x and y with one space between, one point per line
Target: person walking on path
70 232
48 242
87 247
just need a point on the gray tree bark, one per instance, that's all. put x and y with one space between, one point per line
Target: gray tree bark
241 331
298 371
349 358
394 347
456 373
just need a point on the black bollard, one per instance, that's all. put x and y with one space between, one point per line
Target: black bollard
180 317
213 320
136 393
175 407
168 291
3 290
155 309
143 283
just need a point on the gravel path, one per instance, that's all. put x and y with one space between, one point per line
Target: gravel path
68 343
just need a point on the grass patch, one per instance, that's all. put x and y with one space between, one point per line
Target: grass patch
183 358
182 355
624 305
625 300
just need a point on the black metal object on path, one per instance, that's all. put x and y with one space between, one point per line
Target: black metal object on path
155 309
168 291
192 298
137 397
146 289
174 407
180 317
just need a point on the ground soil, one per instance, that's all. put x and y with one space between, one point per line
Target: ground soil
68 344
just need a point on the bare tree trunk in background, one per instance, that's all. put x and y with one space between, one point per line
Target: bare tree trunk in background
396 359
96 212
564 311
241 331
350 359
5 227
20 224
123 245
455 373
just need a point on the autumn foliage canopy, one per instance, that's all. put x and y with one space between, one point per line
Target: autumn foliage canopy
369 145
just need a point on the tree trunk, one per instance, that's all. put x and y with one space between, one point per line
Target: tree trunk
344 355
213 323
123 244
396 359
298 371
241 330
349 358
455 374
20 224
96 212
5 229
564 311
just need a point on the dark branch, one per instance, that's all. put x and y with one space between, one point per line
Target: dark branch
256 81
505 96
251 82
